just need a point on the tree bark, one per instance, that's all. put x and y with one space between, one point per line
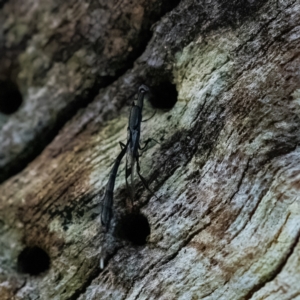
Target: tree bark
225 222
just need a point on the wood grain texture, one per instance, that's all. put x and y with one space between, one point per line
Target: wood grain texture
227 172
60 55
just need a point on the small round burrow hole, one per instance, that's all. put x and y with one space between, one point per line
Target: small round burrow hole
10 97
134 228
164 95
33 261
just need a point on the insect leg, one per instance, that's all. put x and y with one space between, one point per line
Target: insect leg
143 179
122 145
147 142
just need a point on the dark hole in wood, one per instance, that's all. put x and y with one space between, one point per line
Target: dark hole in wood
10 97
164 95
33 261
134 228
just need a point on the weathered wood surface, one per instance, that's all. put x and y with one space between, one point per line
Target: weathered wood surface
60 55
227 172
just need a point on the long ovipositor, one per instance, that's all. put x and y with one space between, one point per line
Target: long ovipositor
107 202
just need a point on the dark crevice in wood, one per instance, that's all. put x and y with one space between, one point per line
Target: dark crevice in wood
241 179
276 271
251 213
133 227
19 288
33 261
209 293
93 275
174 255
164 95
257 33
205 137
2 3
205 141
18 163
171 170
10 97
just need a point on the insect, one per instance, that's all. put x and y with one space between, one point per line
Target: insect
131 149
133 140
132 156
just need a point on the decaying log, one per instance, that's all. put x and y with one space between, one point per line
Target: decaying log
226 171
60 55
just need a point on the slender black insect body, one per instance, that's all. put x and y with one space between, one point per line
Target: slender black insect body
131 149
107 202
134 132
